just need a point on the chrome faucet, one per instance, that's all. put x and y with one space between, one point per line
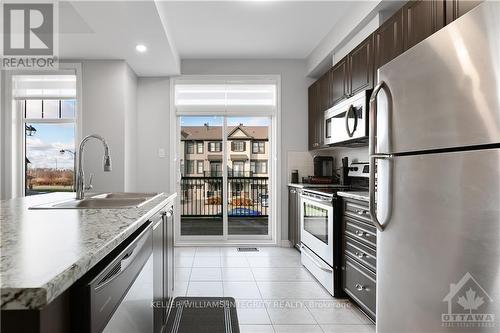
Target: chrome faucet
80 179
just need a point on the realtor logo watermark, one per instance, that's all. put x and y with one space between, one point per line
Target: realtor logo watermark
28 33
468 305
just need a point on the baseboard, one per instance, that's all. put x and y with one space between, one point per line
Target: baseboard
286 243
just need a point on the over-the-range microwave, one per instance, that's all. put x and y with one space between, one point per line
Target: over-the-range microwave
346 123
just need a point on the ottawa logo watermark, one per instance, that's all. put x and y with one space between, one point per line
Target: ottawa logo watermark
468 305
29 35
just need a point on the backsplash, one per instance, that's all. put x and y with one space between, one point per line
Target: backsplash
358 154
303 161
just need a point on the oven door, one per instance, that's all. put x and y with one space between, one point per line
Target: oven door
347 121
317 226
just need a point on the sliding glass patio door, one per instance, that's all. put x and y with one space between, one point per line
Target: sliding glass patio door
225 177
247 184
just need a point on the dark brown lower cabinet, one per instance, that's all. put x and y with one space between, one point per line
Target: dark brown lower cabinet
359 261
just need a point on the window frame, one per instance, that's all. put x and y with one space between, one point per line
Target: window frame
254 167
15 184
198 145
217 145
188 164
198 163
234 145
258 143
189 147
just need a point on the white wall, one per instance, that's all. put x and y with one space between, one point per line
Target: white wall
130 163
109 109
3 149
153 103
294 84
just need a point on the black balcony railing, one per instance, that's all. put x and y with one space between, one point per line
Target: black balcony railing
202 196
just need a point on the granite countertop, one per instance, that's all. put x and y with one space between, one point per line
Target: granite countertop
43 252
307 185
358 195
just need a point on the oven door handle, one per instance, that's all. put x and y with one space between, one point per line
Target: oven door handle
320 265
323 201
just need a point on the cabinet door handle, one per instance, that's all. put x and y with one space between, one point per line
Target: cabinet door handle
360 255
170 212
362 234
360 287
361 212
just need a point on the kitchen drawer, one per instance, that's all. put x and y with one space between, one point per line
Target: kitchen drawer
360 284
360 231
357 209
362 253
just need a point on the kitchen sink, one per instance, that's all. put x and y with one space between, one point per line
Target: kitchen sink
124 195
114 200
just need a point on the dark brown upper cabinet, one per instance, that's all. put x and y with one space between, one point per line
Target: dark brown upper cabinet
314 105
388 40
457 8
338 81
421 18
324 88
361 70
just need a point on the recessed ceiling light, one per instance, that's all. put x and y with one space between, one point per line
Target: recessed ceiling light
141 48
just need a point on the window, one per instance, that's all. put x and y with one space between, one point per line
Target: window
199 167
199 147
258 167
238 146
215 169
190 147
238 168
189 167
258 147
215 147
47 106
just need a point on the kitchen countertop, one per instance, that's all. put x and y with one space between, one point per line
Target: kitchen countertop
358 195
43 252
307 185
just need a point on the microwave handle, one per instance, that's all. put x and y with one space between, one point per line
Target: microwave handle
348 130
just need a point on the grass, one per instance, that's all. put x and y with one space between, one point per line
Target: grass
52 188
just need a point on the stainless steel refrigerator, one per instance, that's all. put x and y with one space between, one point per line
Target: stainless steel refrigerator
435 141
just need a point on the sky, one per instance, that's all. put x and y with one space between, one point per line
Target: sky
42 149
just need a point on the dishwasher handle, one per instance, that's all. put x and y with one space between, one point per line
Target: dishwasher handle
122 262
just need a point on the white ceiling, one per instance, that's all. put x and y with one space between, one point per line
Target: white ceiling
250 29
207 29
112 29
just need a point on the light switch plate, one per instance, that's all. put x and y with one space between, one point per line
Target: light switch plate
161 152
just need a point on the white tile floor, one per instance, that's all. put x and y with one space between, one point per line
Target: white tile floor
273 291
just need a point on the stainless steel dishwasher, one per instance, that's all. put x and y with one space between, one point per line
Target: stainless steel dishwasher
119 298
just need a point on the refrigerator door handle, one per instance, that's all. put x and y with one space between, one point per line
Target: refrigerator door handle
372 144
371 188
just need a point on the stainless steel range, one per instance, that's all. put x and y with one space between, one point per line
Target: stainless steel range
320 226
